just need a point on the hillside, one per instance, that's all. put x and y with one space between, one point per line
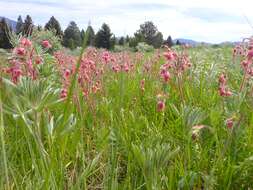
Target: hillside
10 22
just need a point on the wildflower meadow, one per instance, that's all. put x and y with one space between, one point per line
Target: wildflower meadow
172 118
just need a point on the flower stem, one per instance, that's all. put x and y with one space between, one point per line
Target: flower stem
4 158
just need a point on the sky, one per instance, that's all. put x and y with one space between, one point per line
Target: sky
201 20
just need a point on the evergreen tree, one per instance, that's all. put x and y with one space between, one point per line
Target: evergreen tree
82 34
148 33
122 41
54 25
169 42
103 37
158 40
28 26
127 39
72 36
112 42
178 43
39 28
91 36
4 35
20 25
133 42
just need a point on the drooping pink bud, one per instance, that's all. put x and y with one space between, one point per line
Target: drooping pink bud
46 44
160 106
20 51
250 54
64 93
38 60
169 56
230 123
166 76
106 56
142 84
67 73
25 42
222 79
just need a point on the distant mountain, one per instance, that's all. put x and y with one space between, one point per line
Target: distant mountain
186 41
190 42
10 22
230 43
196 43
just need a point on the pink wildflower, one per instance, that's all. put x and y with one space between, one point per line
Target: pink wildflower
46 44
20 51
64 93
160 106
25 42
230 123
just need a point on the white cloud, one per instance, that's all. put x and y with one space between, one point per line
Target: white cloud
172 17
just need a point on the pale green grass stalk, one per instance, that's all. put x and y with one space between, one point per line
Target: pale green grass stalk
6 182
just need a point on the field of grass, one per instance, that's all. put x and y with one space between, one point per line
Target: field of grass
114 123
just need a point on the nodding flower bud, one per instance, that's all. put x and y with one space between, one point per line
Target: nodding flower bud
160 106
46 44
230 123
20 51
142 84
166 76
170 56
250 54
38 60
64 93
67 73
25 42
250 71
106 57
245 64
222 79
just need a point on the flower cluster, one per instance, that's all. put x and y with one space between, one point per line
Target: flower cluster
223 89
90 72
161 100
177 62
238 51
23 61
121 62
66 67
247 59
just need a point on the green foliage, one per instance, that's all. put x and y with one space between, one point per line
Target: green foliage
82 34
119 48
5 35
133 42
178 42
39 36
54 26
104 38
149 33
143 47
20 25
91 36
158 40
169 42
72 36
28 26
121 41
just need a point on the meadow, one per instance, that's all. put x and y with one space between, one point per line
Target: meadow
178 118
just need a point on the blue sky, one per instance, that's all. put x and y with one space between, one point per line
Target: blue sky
202 20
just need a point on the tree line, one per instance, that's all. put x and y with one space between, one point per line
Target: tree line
72 36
